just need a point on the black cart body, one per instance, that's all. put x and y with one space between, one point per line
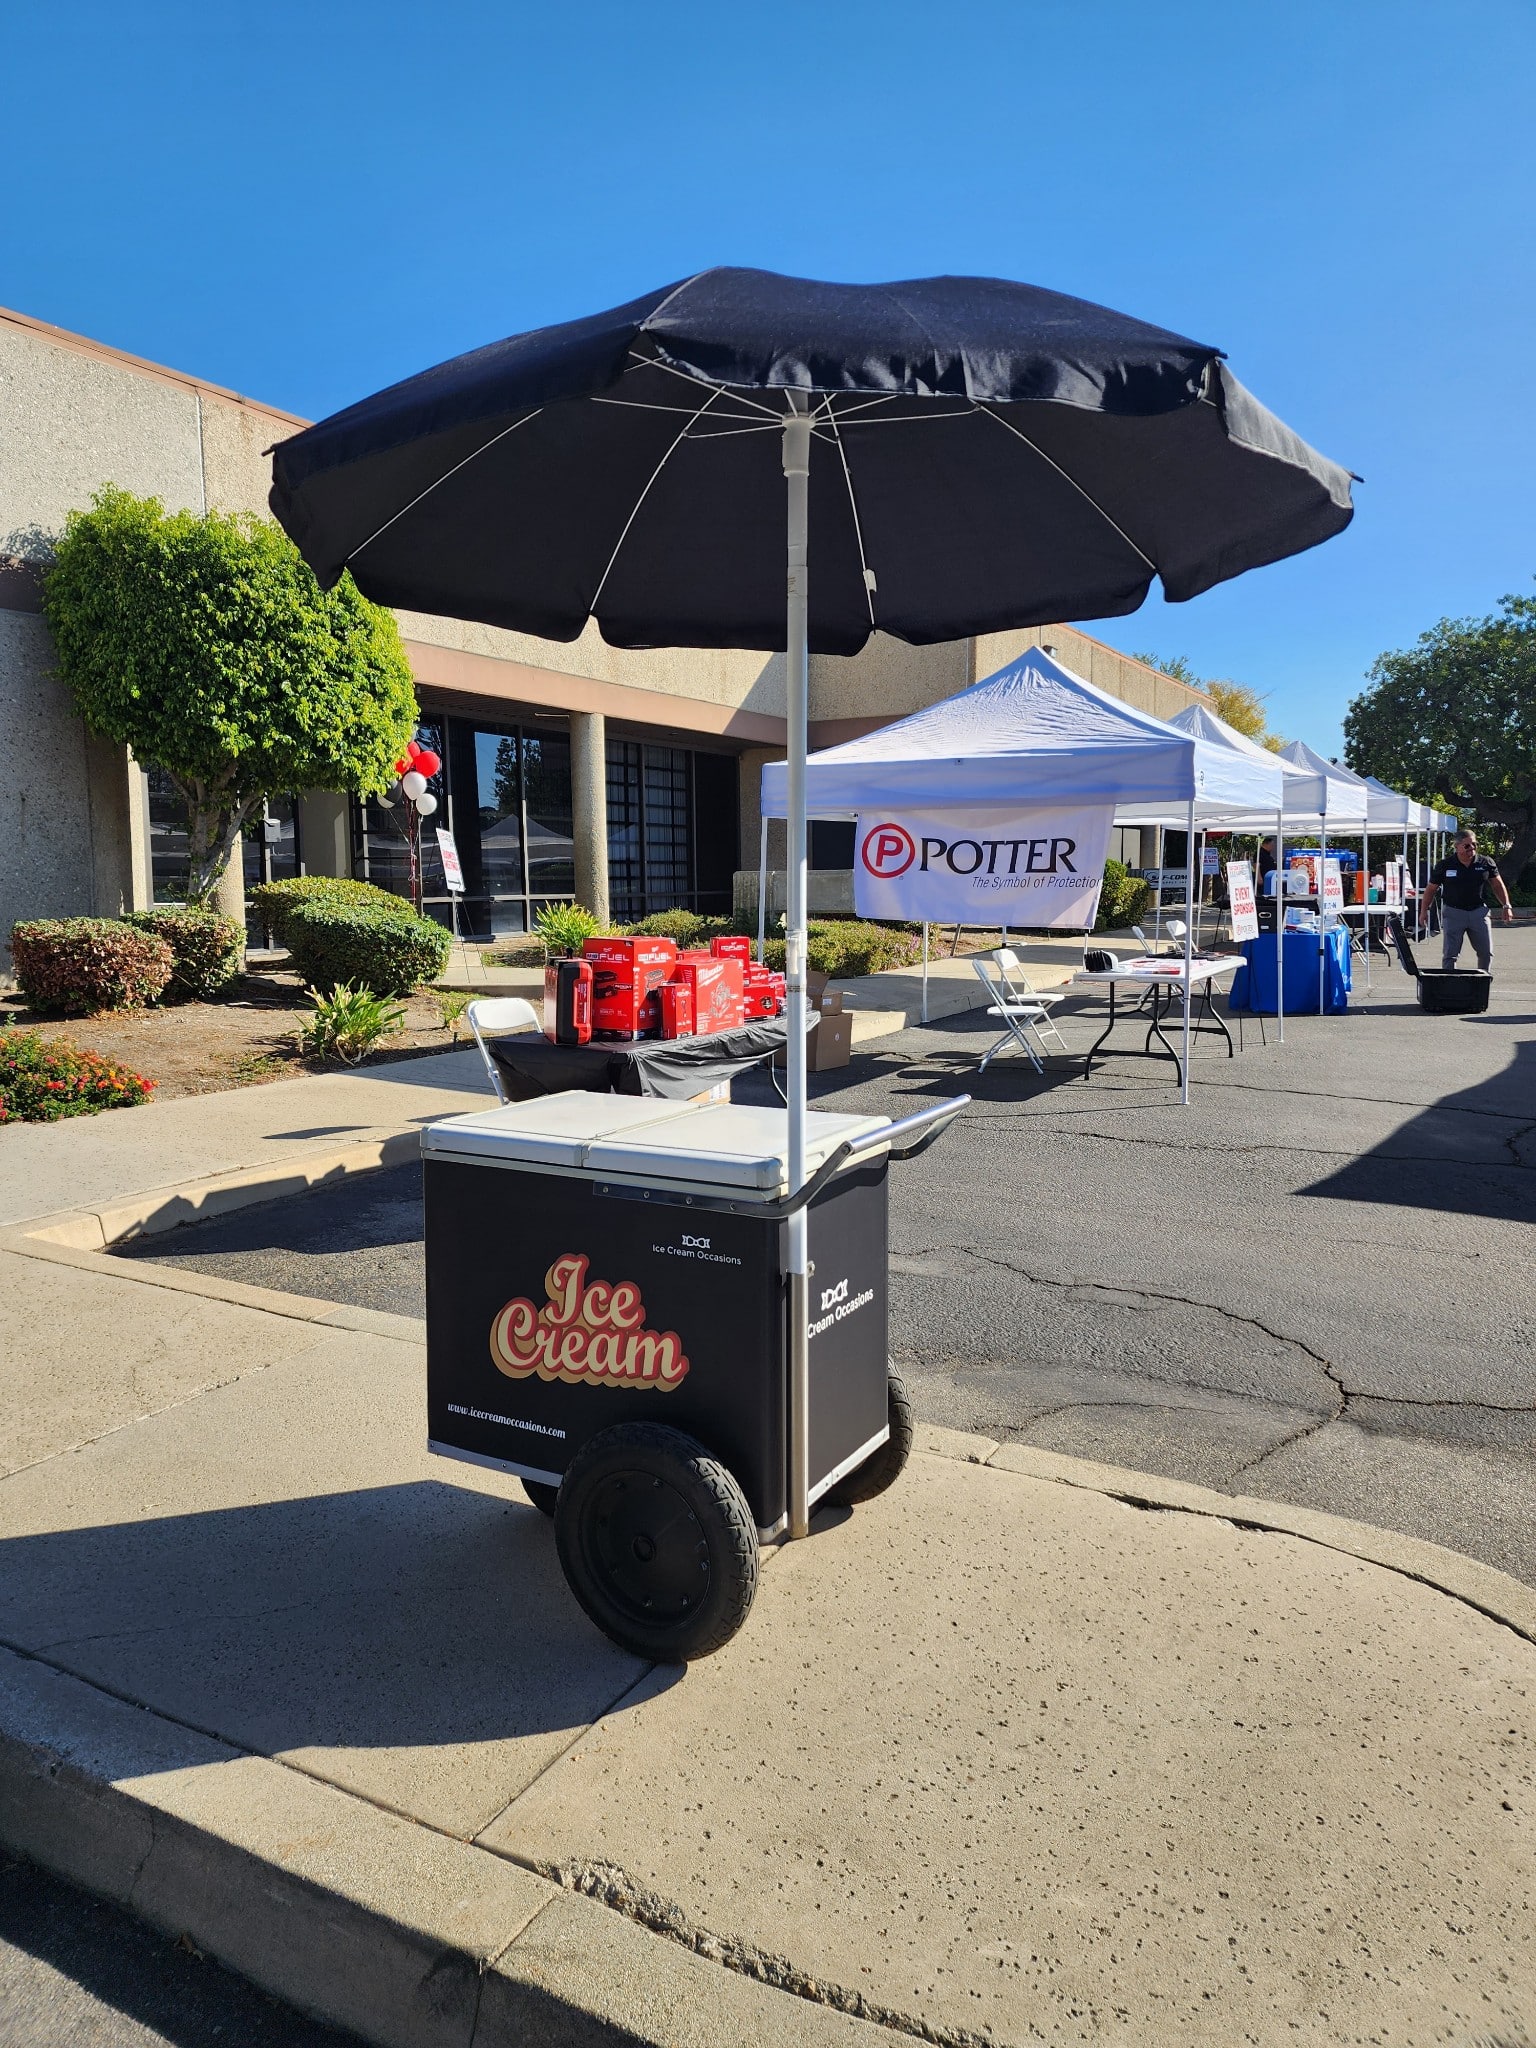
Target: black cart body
598 1259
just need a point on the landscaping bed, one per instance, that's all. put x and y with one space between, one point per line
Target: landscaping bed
248 1036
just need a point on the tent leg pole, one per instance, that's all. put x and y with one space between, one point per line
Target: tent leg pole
762 886
797 467
1321 922
925 971
1365 902
1189 940
1280 924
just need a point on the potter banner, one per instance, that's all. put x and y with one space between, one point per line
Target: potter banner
1033 865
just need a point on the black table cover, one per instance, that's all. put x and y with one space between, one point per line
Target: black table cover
671 1067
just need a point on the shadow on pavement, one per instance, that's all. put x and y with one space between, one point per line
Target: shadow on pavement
1424 1164
412 1616
95 1975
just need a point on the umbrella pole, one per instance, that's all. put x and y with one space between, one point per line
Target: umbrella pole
762 885
797 469
925 971
1280 922
1189 938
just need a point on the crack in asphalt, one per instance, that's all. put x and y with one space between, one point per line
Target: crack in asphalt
613 1887
1346 1394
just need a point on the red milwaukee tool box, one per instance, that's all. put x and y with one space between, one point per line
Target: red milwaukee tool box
676 1001
626 973
719 990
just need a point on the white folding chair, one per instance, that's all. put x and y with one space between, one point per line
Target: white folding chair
1019 1016
1022 990
498 1015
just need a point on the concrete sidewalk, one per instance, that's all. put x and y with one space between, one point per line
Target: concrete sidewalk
1003 1756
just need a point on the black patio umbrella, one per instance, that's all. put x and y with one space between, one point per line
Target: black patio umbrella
967 454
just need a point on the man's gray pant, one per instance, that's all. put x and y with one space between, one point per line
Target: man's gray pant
1456 925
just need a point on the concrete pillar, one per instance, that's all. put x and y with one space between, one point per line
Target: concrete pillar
589 809
140 855
325 832
229 897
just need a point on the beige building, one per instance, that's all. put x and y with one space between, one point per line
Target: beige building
628 780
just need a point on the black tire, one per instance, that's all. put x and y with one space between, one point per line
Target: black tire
657 1542
886 1465
543 1495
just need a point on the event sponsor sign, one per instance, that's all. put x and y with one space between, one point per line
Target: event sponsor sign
1210 861
1039 865
1240 900
453 872
1392 880
1333 886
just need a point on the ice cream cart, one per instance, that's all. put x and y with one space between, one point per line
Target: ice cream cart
608 1318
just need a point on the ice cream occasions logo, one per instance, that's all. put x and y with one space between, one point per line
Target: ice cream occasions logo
589 1332
1035 865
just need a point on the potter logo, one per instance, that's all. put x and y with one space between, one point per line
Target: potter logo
590 1332
888 851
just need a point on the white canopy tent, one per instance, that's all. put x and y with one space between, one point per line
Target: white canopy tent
1299 805
1034 733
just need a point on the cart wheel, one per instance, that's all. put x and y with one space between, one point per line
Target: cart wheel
543 1495
657 1542
885 1467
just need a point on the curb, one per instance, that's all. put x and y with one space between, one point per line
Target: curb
1483 1587
378 1924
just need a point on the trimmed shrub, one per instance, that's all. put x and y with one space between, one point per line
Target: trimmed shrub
42 1080
687 927
78 964
272 901
205 949
843 947
366 945
1124 899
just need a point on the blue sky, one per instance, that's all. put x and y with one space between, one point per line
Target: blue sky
305 202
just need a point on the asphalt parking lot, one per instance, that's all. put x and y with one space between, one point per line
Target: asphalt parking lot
1314 1283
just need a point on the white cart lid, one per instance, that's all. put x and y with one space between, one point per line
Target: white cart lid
550 1130
728 1145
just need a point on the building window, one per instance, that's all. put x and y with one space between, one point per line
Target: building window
672 829
270 849
504 792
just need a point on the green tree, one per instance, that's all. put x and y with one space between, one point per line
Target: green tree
203 642
1175 665
1235 703
1455 717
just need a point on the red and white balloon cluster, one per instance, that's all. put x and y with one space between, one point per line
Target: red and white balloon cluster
415 768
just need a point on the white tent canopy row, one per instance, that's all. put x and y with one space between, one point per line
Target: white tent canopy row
1034 732
1037 732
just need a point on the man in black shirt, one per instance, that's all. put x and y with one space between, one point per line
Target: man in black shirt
1461 881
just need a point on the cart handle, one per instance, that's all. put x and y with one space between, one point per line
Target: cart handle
932 1123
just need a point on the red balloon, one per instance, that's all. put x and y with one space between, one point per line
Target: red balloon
401 765
413 748
427 763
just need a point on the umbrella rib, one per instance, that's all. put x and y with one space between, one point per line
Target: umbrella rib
353 553
1086 496
649 405
634 510
639 362
853 507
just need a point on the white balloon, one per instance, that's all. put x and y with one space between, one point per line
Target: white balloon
427 804
412 783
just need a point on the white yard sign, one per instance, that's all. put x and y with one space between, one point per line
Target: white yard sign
1245 912
453 872
1333 886
1032 865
